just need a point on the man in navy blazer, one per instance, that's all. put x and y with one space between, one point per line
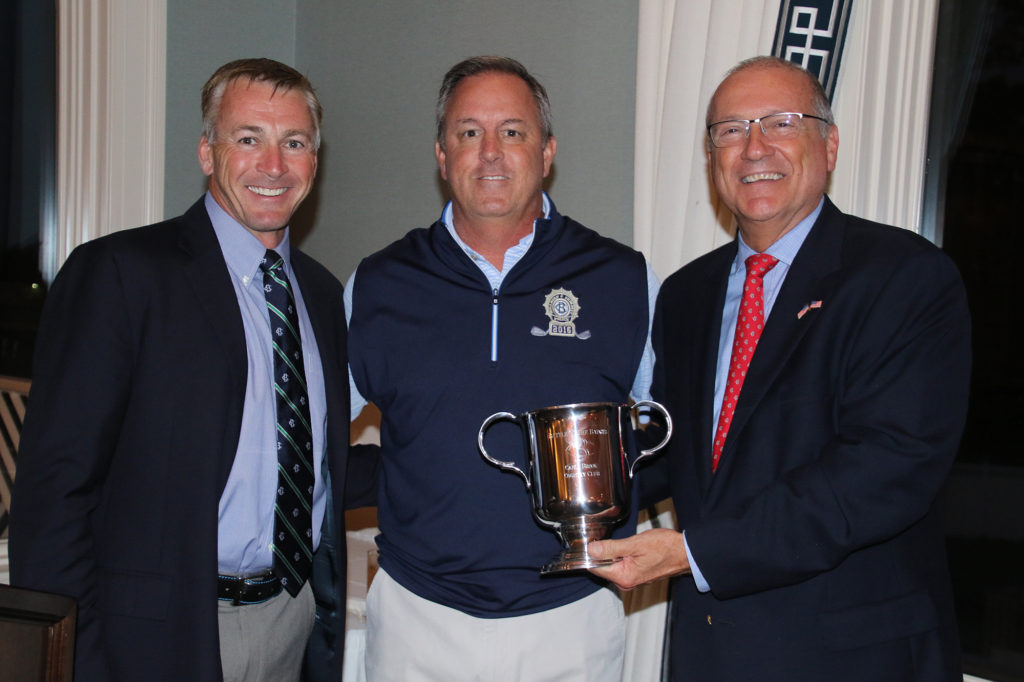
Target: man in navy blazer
812 551
147 473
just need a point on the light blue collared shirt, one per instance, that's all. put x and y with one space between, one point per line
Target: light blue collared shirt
785 249
245 515
641 389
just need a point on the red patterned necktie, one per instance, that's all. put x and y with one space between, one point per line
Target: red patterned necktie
749 323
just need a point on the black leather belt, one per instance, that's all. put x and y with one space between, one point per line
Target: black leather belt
240 589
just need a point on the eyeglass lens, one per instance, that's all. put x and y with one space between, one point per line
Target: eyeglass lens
774 127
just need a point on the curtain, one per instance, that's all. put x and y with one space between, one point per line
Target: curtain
110 121
965 27
684 48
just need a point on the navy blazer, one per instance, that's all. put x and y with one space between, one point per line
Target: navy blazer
818 533
131 431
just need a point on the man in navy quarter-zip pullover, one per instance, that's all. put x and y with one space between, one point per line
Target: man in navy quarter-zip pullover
451 324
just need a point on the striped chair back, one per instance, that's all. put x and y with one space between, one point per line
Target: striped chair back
13 401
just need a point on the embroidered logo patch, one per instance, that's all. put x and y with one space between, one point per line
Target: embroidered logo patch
562 308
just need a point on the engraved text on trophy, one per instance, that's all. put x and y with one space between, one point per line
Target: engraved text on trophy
577 476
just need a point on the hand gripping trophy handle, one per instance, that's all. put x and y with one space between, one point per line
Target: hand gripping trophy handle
579 470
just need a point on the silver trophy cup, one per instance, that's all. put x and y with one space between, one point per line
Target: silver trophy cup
579 471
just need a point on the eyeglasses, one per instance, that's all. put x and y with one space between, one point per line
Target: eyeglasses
775 127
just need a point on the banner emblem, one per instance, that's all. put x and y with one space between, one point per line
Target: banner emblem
811 33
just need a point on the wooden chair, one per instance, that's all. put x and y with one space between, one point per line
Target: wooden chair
37 635
37 629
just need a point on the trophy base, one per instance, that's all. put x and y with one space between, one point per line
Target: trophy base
573 560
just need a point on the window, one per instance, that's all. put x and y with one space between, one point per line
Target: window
28 86
972 210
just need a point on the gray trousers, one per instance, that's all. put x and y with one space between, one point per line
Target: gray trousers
265 642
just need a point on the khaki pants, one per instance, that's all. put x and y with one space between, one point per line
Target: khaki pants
411 639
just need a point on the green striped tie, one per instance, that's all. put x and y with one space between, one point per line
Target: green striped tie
292 545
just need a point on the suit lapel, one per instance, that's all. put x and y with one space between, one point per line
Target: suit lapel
813 276
206 273
319 318
708 307
323 306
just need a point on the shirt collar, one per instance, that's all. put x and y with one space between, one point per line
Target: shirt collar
242 251
785 247
446 218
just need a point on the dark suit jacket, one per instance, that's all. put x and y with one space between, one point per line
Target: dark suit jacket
818 533
131 431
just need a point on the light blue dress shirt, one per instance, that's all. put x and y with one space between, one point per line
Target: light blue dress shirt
785 249
245 521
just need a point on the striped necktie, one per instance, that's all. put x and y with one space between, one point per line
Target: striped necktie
292 544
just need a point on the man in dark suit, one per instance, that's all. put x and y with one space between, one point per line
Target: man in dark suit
167 380
807 504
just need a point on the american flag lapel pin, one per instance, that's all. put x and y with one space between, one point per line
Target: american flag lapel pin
810 306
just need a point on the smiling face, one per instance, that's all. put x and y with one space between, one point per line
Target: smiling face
262 161
494 156
770 187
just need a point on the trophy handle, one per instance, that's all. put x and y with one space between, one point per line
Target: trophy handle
644 454
501 464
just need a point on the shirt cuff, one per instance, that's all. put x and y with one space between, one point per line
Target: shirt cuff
698 577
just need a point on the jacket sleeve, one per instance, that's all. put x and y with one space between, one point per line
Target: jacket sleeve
80 388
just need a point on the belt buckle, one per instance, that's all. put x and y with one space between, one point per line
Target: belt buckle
240 583
257 581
